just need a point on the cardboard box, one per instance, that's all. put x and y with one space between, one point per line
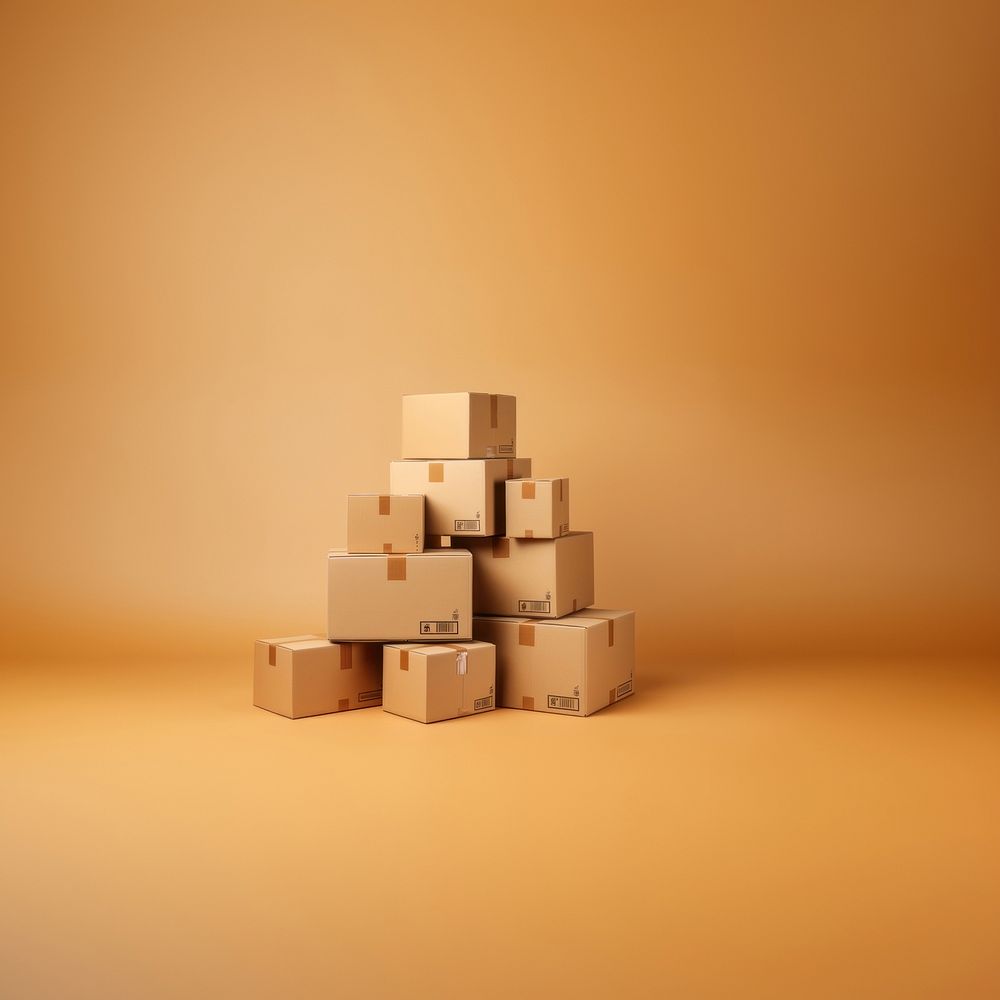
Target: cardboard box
536 577
308 675
459 425
575 665
465 497
431 683
537 508
425 595
380 523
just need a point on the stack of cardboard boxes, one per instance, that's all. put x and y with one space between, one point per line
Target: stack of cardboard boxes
460 590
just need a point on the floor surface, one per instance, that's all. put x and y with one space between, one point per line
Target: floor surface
813 829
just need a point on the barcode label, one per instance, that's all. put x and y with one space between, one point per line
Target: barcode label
623 689
506 449
370 695
467 526
563 703
439 628
482 703
563 529
545 606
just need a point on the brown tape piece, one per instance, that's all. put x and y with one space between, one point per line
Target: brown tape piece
343 704
611 632
493 412
528 533
384 504
611 696
528 490
272 654
561 483
404 659
526 635
501 548
435 472
458 647
528 703
387 547
574 604
510 468
395 568
346 656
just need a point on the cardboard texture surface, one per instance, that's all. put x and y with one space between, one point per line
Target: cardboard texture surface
538 578
431 683
537 508
459 425
385 523
307 675
463 497
575 665
397 597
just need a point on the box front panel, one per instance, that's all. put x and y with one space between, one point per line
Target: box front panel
272 681
404 682
537 508
436 425
385 524
385 598
457 500
514 577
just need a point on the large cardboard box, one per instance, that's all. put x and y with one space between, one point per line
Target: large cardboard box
537 508
304 675
459 425
537 577
575 665
441 681
421 595
381 523
464 497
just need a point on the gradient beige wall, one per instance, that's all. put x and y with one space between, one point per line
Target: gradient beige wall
738 262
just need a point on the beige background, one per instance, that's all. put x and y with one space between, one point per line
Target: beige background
737 262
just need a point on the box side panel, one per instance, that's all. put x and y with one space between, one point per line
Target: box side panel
272 682
404 683
574 572
456 500
385 524
610 662
315 680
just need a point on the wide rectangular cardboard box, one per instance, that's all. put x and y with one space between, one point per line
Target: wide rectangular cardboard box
421 595
537 577
459 425
304 675
463 497
575 665
430 683
537 508
385 523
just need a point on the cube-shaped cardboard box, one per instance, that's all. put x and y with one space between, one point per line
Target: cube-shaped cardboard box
385 523
536 577
459 425
537 508
463 498
430 683
421 595
575 665
304 675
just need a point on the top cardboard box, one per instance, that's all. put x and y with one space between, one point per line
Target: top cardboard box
459 425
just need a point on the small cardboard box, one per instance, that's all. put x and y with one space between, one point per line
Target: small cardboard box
308 675
575 665
422 595
441 681
464 497
459 425
536 577
537 508
380 523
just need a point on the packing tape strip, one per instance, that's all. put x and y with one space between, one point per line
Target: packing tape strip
493 412
384 505
526 634
404 659
387 547
528 489
435 472
395 567
346 656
